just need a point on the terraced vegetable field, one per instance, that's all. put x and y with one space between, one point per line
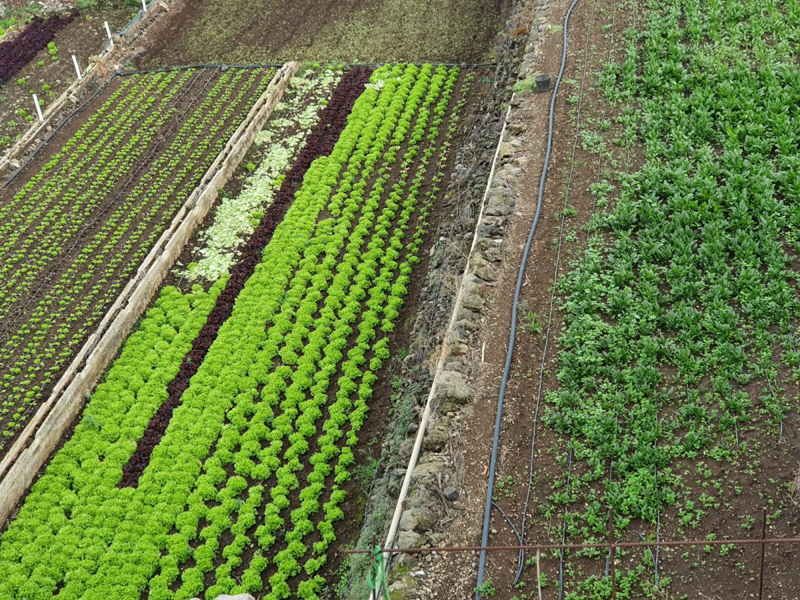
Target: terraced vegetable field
656 362
217 453
77 222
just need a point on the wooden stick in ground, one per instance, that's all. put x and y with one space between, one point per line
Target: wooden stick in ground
538 574
763 548
611 552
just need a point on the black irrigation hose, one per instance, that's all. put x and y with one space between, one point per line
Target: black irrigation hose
277 65
66 120
200 66
509 521
521 560
515 307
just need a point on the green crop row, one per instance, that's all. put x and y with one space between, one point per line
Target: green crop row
248 482
679 355
43 341
28 250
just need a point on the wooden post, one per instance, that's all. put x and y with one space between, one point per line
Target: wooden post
538 574
612 553
77 68
763 548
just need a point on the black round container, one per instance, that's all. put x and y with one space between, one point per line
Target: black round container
542 83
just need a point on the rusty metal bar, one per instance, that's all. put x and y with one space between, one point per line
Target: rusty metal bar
737 542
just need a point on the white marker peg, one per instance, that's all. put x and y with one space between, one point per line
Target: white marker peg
144 5
77 68
108 31
38 108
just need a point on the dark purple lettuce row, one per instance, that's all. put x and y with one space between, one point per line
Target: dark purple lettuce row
319 143
17 53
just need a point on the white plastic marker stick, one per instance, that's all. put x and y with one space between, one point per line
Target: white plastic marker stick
38 108
77 68
108 31
144 5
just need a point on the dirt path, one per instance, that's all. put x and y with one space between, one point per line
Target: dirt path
454 575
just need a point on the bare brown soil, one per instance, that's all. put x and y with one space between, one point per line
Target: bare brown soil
237 31
84 37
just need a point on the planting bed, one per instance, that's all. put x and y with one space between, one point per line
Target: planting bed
47 70
217 454
238 31
81 217
658 376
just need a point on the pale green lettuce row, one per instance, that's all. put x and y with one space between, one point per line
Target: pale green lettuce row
236 217
65 504
299 346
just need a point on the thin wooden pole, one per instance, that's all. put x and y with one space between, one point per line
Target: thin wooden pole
612 553
539 574
763 549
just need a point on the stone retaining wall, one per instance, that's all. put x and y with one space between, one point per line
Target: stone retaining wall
431 495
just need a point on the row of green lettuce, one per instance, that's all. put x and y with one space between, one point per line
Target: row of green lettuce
244 490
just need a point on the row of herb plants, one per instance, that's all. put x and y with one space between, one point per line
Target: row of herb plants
276 147
16 53
245 488
679 356
40 337
43 220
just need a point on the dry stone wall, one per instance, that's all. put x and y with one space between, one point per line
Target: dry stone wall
434 490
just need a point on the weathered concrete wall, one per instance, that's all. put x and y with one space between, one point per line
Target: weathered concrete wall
54 418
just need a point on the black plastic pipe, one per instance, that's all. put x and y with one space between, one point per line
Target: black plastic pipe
487 513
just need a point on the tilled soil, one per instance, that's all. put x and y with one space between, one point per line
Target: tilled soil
85 36
237 31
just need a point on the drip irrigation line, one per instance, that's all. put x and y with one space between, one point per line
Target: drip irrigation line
142 164
551 310
515 306
658 544
564 530
510 522
619 540
66 120
277 65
